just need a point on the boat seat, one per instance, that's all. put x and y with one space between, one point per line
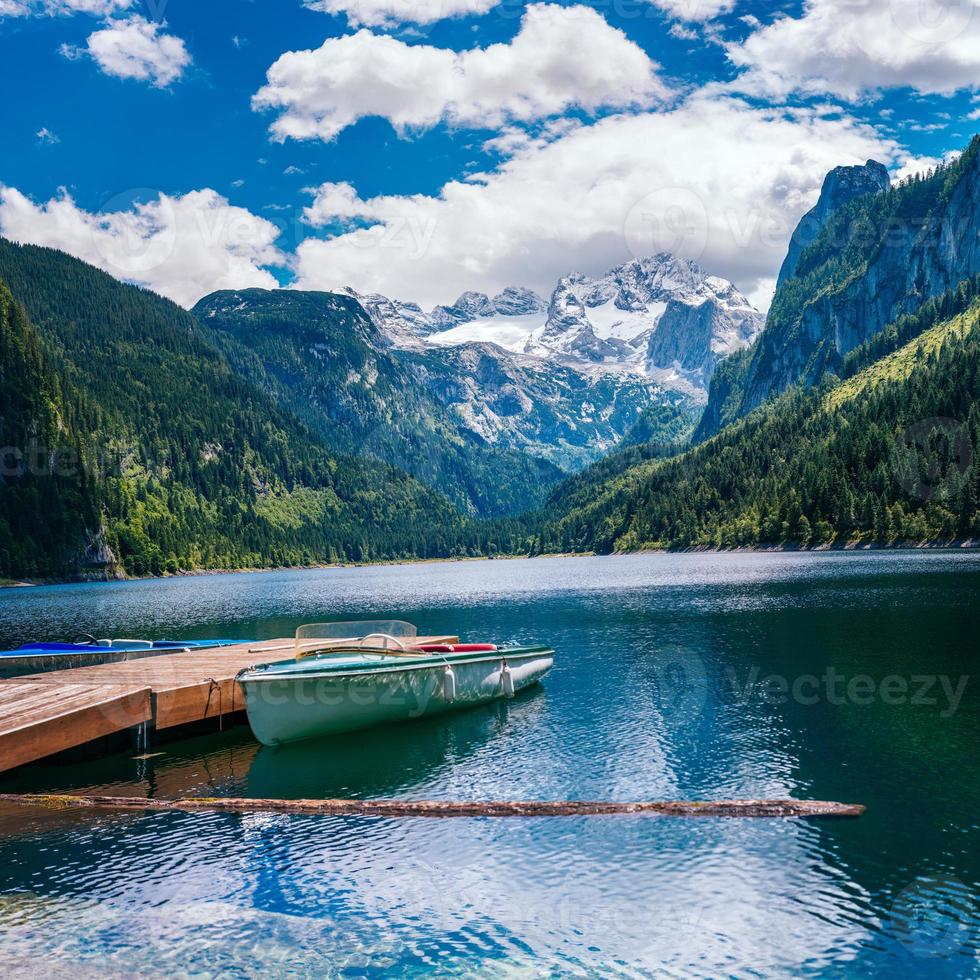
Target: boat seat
457 648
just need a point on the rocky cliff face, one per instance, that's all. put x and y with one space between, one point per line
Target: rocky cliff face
565 416
841 186
877 257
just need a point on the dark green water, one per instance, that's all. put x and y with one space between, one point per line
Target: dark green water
847 677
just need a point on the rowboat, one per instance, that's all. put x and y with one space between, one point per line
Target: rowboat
87 651
350 676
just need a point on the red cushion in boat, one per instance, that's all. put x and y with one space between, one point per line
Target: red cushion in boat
457 648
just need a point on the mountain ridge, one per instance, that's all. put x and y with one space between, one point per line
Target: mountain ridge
661 318
877 256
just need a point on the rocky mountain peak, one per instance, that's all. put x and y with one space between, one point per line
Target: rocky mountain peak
474 304
515 301
658 317
840 186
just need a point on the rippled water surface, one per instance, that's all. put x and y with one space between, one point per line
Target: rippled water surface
845 677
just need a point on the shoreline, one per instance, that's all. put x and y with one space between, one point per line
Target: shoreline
958 544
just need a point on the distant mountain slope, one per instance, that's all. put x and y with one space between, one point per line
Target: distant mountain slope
491 429
193 465
321 356
876 257
545 409
888 455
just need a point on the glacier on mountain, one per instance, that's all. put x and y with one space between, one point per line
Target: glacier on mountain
660 318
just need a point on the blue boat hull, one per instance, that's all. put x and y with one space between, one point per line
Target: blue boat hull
41 658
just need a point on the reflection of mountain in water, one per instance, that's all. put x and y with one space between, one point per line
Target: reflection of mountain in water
393 760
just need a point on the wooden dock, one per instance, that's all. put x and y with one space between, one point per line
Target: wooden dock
43 714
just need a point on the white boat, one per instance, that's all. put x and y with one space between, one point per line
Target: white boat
350 676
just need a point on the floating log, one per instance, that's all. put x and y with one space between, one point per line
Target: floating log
439 808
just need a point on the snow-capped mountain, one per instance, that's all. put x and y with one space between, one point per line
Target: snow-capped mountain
661 318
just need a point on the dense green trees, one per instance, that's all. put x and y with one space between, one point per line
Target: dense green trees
187 463
887 456
46 497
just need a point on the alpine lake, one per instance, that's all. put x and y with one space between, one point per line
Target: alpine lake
830 676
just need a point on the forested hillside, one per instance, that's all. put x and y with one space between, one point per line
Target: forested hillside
886 455
46 500
190 465
320 356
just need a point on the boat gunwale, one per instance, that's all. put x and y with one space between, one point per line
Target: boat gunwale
268 672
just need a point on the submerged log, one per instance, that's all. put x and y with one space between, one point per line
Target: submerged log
439 808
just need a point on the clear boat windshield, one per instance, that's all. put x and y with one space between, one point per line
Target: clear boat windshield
375 634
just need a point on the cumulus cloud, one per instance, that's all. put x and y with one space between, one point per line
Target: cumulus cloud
182 247
391 13
716 180
319 93
852 48
136 48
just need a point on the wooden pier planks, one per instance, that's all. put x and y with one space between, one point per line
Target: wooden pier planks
48 713
37 720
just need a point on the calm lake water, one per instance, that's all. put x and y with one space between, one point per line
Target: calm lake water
832 676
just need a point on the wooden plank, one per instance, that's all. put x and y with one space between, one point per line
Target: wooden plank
36 721
195 702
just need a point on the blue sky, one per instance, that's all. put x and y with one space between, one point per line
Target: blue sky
146 111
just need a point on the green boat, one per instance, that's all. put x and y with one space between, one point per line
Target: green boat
349 676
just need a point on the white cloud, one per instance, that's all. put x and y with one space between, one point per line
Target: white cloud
716 180
182 247
538 74
391 13
853 48
136 48
683 33
695 10
911 165
45 136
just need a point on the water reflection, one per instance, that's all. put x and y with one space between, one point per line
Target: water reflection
657 693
